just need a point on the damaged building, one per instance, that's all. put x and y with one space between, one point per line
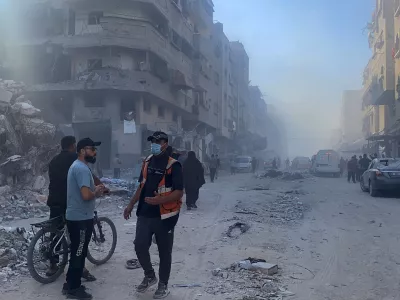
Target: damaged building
118 71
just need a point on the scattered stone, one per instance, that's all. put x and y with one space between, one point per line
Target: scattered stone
237 229
39 183
265 268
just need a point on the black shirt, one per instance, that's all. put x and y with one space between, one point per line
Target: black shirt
155 172
58 173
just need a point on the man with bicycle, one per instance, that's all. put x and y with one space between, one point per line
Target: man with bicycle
57 199
81 195
160 199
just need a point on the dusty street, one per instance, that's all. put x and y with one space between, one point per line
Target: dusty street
345 247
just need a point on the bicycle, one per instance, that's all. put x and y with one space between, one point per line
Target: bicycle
54 246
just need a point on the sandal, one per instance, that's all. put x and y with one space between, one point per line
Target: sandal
132 264
87 276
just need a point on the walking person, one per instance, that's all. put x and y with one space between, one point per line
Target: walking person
233 166
253 164
57 199
364 163
352 169
117 166
193 174
213 167
218 166
160 199
81 195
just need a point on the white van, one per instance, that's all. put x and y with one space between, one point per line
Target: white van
327 162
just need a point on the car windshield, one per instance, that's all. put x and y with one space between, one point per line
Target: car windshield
242 160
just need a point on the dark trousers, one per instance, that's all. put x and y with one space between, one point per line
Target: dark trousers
145 228
351 175
192 195
80 233
117 173
56 211
212 174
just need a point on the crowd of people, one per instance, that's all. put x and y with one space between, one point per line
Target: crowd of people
356 167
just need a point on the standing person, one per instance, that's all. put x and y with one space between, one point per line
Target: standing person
287 163
233 166
218 166
274 164
117 166
342 165
193 173
160 200
57 199
364 163
253 164
213 167
352 169
81 195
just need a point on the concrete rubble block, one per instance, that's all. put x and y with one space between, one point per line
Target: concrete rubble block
265 268
5 189
37 131
39 183
25 109
23 99
5 96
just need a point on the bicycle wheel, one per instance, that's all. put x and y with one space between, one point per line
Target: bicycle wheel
103 242
40 253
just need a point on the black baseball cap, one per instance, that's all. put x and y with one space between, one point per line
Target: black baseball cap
86 142
158 136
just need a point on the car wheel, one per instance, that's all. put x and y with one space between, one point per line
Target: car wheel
362 185
373 192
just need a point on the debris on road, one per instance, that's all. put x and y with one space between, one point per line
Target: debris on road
236 281
14 243
237 229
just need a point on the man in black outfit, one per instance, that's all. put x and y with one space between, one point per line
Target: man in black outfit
57 199
159 197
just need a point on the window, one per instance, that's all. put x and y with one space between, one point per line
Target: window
94 64
175 117
161 112
94 17
146 106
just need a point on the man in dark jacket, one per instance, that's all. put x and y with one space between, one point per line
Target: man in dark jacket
193 174
364 164
352 169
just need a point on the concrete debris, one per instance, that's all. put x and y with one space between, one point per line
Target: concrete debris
237 229
16 88
282 209
292 176
39 183
5 97
14 243
236 282
271 173
25 109
296 175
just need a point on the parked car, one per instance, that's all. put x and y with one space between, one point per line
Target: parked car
301 163
383 174
243 163
327 162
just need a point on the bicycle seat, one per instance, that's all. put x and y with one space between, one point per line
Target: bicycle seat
55 222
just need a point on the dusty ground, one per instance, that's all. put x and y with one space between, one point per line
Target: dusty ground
346 246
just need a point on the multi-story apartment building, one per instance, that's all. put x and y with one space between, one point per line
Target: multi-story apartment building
378 101
118 71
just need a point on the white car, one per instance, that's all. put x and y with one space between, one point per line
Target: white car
243 163
327 162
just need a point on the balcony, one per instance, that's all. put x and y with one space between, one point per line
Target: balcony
376 94
201 11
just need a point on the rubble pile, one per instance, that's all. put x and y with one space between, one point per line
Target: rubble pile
16 204
284 209
26 140
240 282
14 243
293 175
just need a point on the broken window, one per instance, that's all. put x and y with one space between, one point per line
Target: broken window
94 64
94 17
146 106
161 111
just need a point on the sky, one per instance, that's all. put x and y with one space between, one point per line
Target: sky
303 54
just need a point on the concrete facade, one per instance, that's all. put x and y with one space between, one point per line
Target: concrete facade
163 63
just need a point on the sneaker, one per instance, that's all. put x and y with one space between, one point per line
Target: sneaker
64 290
162 291
146 284
79 293
87 276
189 207
194 206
